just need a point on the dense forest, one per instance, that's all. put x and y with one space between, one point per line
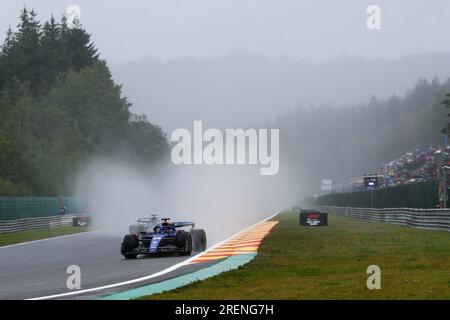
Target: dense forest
346 141
60 107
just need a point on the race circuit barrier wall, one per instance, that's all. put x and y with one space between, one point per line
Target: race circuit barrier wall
36 223
423 195
13 208
436 219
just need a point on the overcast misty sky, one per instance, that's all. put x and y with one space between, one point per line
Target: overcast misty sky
301 30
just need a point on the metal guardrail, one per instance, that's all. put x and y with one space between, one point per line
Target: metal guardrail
36 223
436 219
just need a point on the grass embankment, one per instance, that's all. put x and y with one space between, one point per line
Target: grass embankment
37 234
330 263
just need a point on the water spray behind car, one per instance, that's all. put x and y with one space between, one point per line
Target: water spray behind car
220 199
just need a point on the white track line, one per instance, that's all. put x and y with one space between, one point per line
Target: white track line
154 275
46 239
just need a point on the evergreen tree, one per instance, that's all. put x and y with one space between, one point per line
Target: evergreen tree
78 47
52 52
446 103
4 57
21 53
27 51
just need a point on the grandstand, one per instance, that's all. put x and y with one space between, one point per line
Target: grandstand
419 166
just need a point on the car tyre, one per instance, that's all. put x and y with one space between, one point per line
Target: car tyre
184 240
130 242
199 239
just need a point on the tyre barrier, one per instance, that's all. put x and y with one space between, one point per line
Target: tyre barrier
435 219
36 223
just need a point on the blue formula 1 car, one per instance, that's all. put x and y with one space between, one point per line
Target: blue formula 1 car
149 236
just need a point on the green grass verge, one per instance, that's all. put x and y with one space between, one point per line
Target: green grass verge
37 234
330 263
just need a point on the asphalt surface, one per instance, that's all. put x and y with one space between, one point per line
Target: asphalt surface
39 268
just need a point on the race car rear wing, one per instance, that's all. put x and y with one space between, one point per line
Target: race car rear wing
181 224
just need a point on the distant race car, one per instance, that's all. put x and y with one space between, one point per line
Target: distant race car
81 221
150 236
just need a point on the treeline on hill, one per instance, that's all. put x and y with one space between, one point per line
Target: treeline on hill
59 106
348 141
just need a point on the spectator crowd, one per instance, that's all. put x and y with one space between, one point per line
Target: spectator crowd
416 166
